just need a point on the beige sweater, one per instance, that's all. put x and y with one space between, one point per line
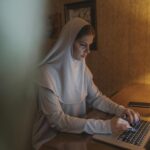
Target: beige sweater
54 116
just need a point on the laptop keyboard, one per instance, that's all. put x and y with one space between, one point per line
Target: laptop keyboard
137 134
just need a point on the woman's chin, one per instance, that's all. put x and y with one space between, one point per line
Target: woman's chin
83 56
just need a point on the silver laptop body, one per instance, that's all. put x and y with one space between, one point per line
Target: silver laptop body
113 139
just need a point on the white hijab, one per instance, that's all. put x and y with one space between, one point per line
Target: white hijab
60 72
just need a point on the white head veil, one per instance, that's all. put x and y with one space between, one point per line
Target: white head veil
60 72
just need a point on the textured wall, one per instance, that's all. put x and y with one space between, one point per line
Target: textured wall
123 44
123 30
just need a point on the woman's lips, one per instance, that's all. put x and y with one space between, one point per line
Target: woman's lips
84 55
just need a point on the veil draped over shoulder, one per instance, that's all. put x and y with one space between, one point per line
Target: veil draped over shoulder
60 72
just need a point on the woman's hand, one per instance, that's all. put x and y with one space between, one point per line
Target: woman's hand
131 116
119 124
128 118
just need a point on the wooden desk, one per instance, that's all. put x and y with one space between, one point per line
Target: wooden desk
65 141
134 92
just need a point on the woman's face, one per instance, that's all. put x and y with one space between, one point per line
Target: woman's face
81 47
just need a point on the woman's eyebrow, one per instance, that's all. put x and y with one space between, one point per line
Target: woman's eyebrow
83 42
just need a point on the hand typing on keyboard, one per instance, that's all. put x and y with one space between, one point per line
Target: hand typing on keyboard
136 134
131 116
119 124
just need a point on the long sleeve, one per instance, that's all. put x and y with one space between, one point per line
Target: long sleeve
101 102
57 119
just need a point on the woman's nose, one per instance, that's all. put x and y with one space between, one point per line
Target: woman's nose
88 50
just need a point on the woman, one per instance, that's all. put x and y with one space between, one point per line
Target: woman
66 87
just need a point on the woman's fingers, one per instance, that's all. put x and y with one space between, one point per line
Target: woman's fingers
132 116
129 116
119 124
123 124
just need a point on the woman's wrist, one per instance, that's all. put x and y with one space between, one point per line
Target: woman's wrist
120 110
94 126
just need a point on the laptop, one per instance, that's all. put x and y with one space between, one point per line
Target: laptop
133 140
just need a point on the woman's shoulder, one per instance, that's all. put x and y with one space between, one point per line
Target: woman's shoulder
43 67
43 72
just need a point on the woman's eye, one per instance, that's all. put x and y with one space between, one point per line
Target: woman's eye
83 45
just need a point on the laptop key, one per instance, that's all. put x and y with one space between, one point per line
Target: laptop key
136 134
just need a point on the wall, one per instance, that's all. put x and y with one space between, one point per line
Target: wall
123 29
53 23
123 44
